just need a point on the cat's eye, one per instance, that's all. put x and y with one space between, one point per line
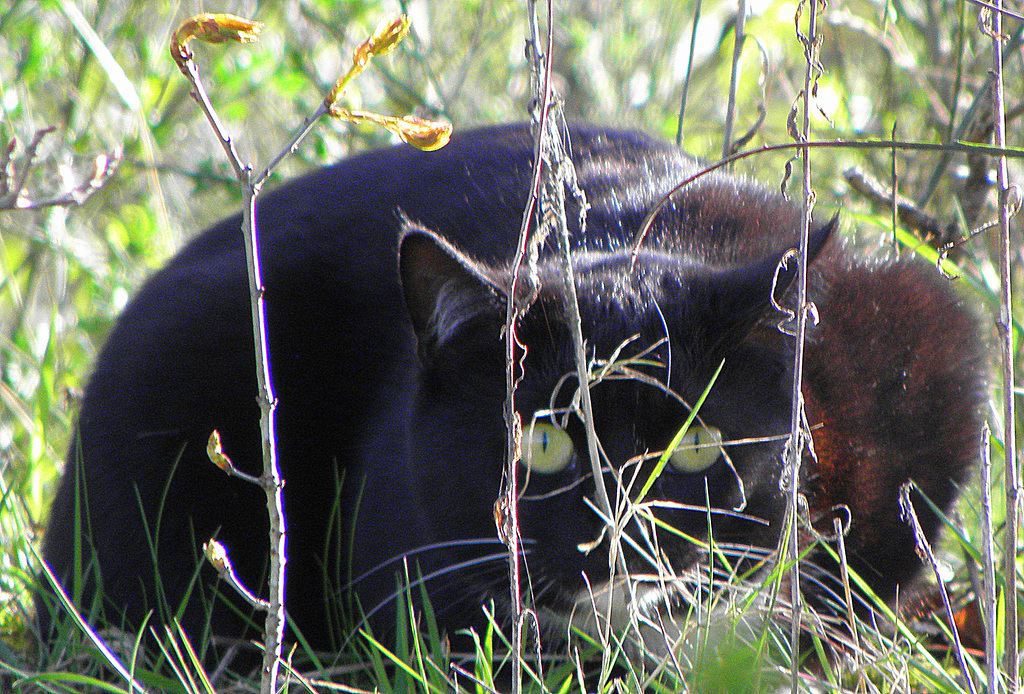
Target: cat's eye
546 448
697 450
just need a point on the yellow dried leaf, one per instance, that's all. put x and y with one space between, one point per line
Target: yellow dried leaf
212 28
424 134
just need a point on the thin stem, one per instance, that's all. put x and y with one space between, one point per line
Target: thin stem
519 298
922 545
689 72
989 600
292 146
576 331
271 480
1012 658
797 434
552 173
198 92
737 52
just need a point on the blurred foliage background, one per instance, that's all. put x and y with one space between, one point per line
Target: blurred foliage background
99 72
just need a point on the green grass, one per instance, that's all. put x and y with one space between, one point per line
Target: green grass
101 74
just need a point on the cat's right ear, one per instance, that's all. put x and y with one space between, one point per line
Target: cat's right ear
443 287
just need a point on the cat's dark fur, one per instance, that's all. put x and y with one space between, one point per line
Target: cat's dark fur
387 358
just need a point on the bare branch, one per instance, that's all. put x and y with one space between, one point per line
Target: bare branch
14 173
218 28
907 211
799 436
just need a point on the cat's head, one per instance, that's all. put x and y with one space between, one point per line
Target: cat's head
659 330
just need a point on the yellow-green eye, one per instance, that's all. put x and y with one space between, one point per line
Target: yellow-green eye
697 450
546 449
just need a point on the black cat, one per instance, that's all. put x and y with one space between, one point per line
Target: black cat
386 281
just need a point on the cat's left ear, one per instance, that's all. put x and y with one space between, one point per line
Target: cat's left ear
816 241
443 287
738 297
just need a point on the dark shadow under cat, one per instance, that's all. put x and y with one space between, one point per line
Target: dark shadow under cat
386 281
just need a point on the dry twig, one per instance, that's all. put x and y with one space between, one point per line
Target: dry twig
14 177
219 28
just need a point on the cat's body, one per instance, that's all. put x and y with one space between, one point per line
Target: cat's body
404 413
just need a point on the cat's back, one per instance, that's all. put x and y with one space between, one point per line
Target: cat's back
472 192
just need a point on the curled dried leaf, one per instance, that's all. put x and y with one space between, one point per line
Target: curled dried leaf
424 134
421 133
212 28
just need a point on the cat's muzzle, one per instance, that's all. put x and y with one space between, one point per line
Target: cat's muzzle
662 619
